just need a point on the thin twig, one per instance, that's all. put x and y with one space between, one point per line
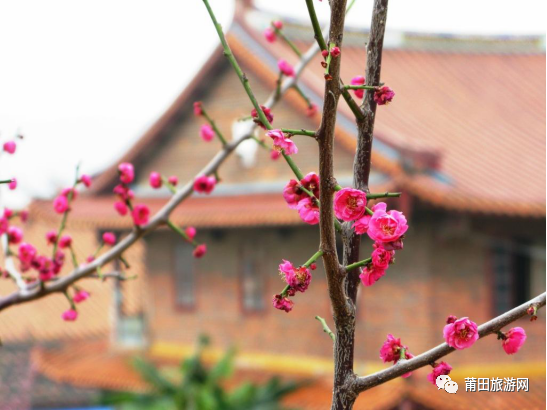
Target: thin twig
326 328
492 326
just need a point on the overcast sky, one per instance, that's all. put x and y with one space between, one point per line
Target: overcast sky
83 79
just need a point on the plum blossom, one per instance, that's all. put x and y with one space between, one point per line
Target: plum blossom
204 184
267 112
109 238
361 225
297 278
197 108
335 51
308 211
173 180
86 180
391 350
190 232
140 214
206 132
127 172
461 334
292 193
80 296
121 208
155 180
282 303
281 142
269 35
13 184
274 155
381 258
123 192
386 227
383 95
514 339
65 241
370 275
70 315
358 80
285 68
277 24
9 147
60 204
51 237
15 235
200 251
350 204
442 368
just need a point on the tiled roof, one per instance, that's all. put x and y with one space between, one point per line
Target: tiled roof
482 115
94 365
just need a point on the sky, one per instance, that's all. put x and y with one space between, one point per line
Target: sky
82 80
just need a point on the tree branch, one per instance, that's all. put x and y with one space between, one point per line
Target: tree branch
364 383
33 291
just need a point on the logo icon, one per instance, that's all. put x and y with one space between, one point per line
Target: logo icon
446 383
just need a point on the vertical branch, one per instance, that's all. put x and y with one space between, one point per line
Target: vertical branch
365 128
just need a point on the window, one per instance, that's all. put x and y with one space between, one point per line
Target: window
511 266
253 281
185 281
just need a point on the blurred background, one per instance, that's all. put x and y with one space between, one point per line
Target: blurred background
105 82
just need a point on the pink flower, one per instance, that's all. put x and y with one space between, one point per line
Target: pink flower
383 95
23 215
277 24
335 51
313 266
86 180
65 241
121 208
60 204
381 258
282 303
9 147
281 142
69 191
442 368
140 214
127 172
204 184
390 350
297 278
385 226
200 250
325 54
269 34
350 204
70 315
51 237
109 238
370 275
13 184
155 180
4 225
358 80
26 253
15 235
267 112
123 192
308 211
361 225
90 259
173 180
80 296
190 232
8 213
275 154
294 194
285 68
311 110
461 334
207 133
514 339
197 108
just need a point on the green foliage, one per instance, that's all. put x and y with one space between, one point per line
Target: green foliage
200 388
